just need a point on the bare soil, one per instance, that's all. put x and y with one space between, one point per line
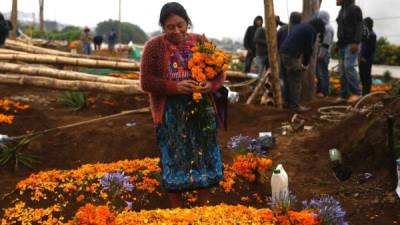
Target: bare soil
304 154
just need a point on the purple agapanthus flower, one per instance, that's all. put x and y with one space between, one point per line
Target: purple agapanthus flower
129 204
243 144
283 202
328 209
116 183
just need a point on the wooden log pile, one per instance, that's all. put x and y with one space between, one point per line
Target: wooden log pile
24 64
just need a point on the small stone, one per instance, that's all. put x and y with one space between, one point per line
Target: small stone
375 201
356 195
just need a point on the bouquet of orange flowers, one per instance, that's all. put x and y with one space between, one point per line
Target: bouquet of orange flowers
207 63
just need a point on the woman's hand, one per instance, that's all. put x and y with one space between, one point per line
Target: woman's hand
204 87
186 86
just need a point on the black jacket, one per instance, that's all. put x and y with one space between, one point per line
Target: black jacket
248 41
349 24
300 42
261 42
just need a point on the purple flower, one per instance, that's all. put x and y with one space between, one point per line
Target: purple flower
116 183
283 202
242 144
329 210
128 204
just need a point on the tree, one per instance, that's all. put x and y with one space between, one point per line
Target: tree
129 32
41 17
14 19
271 37
310 7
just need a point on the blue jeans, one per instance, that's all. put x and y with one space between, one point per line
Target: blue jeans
261 63
349 83
248 61
323 75
87 48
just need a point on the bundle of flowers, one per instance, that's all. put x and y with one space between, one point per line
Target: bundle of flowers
220 214
107 193
123 184
248 166
206 63
7 105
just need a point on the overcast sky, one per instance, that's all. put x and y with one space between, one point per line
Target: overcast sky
215 18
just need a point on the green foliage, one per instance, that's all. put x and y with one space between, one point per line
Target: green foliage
73 99
395 91
237 66
386 53
130 32
69 33
13 152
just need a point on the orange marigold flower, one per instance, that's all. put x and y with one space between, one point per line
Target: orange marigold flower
197 96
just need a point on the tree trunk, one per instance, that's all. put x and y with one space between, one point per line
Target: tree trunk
41 18
14 19
46 59
273 57
19 46
310 7
71 85
62 74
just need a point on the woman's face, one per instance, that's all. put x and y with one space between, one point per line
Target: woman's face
175 28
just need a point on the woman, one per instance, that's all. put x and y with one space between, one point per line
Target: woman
190 156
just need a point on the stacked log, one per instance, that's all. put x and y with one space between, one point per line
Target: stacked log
23 47
44 76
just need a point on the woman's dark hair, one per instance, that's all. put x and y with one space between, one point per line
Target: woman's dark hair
173 8
1 17
257 18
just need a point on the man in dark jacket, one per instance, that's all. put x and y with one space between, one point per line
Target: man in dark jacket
295 18
283 32
349 37
249 43
5 27
368 48
97 41
295 55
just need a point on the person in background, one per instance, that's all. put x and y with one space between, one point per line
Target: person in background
261 51
190 153
283 32
249 43
5 27
295 55
86 39
324 55
97 40
368 48
279 23
350 29
112 39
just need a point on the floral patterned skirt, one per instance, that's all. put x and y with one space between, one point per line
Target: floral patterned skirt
190 153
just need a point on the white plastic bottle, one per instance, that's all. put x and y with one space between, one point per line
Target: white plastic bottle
279 184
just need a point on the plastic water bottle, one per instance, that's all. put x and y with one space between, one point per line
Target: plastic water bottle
279 184
335 156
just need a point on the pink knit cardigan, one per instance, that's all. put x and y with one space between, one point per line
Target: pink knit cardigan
153 68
